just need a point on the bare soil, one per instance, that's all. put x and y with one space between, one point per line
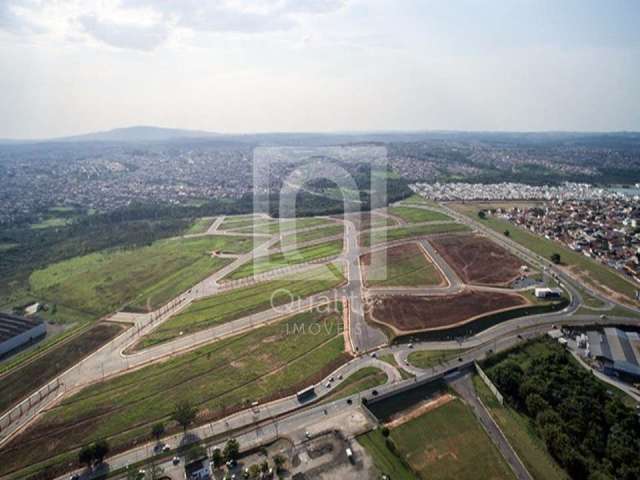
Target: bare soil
477 260
414 313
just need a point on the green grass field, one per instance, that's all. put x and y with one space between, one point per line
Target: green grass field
449 443
268 362
282 259
385 460
105 281
431 358
315 234
590 271
242 221
282 225
18 383
522 437
241 302
391 360
418 215
402 265
363 379
376 237
418 200
201 225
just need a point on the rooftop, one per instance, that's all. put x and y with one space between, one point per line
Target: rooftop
13 325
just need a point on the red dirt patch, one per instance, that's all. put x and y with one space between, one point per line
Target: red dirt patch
413 313
478 260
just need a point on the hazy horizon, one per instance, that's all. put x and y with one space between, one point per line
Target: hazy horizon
321 66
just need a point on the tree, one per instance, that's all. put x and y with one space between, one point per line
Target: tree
216 458
231 450
264 467
279 462
195 451
482 214
254 471
507 233
100 450
86 455
555 258
385 431
153 471
508 376
157 430
185 414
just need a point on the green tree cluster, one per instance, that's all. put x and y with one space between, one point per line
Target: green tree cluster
589 431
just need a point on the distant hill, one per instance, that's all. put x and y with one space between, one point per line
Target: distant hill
138 134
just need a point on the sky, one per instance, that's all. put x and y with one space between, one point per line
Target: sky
240 66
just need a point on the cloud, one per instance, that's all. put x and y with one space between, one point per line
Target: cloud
312 6
146 24
224 16
13 20
121 35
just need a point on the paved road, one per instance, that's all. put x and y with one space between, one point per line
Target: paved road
464 387
285 417
363 336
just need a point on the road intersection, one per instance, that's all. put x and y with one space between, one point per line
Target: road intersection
114 358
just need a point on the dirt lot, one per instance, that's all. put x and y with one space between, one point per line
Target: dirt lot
413 313
477 260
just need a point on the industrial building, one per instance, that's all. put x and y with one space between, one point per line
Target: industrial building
617 351
16 332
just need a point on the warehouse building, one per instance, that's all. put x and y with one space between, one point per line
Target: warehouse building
617 351
16 332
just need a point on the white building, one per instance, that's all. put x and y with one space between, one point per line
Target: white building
548 293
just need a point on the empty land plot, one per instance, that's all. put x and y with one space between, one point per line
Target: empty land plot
478 260
243 221
412 313
242 302
19 382
416 199
368 220
282 225
103 282
448 443
310 235
376 237
401 265
201 225
263 364
283 259
386 461
597 276
418 215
